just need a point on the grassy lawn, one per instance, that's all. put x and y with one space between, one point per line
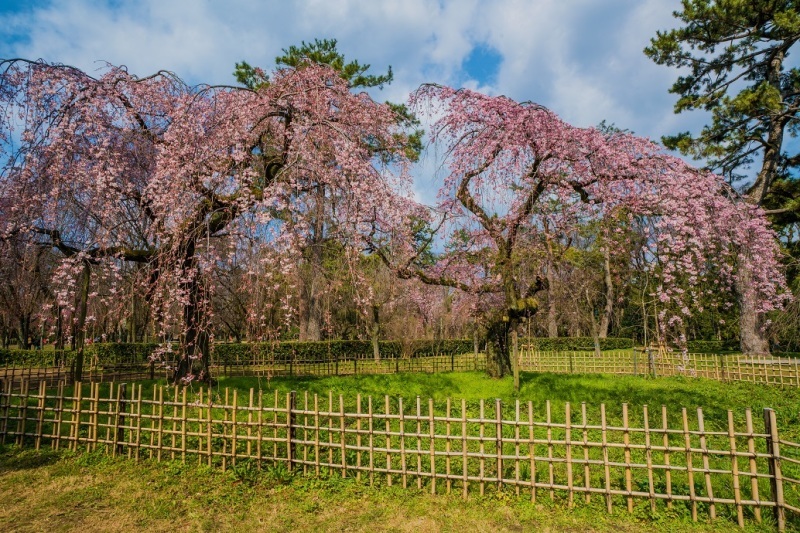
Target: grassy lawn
68 491
90 492
715 397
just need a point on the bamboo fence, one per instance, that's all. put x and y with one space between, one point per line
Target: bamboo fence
769 370
329 366
620 456
776 371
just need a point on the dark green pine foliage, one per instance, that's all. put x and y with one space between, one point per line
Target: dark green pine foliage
735 61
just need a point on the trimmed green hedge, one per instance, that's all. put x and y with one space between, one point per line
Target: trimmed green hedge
340 350
578 343
712 346
34 357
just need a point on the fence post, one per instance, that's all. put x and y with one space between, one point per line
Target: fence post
290 423
651 360
775 474
498 413
723 372
152 370
119 430
635 364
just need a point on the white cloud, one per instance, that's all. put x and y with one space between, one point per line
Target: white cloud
581 58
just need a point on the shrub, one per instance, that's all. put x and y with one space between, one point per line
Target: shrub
577 343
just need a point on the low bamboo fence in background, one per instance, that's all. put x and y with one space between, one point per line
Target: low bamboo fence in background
623 457
770 370
332 366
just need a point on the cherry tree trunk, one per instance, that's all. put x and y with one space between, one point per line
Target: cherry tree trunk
80 325
751 322
498 349
608 311
552 307
194 364
375 333
24 331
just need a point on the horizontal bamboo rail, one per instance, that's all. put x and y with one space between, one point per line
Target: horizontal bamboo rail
626 457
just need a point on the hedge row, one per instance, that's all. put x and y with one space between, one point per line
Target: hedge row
35 357
342 350
578 343
712 346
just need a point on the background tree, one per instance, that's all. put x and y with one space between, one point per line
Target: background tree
118 168
507 161
314 279
735 56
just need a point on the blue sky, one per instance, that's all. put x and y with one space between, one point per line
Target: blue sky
581 58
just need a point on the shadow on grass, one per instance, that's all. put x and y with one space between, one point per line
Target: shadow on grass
13 458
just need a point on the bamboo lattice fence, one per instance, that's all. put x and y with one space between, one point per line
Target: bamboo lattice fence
770 370
625 457
728 367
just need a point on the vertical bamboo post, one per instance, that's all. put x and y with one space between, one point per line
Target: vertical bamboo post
516 447
160 420
40 418
712 508
138 423
290 429
183 425
119 423
606 466
174 423
667 469
626 439
316 436
532 450
689 466
751 452
586 472
275 409
305 432
342 436
209 451
59 415
234 427
388 426
371 429
499 441
6 404
76 416
249 447
482 447
568 454
432 444
419 444
330 430
649 459
447 446
737 493
776 475
358 436
464 443
402 422
550 466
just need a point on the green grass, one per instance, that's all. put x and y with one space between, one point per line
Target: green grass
715 397
288 502
91 492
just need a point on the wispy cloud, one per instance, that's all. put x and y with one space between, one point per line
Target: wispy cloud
581 58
